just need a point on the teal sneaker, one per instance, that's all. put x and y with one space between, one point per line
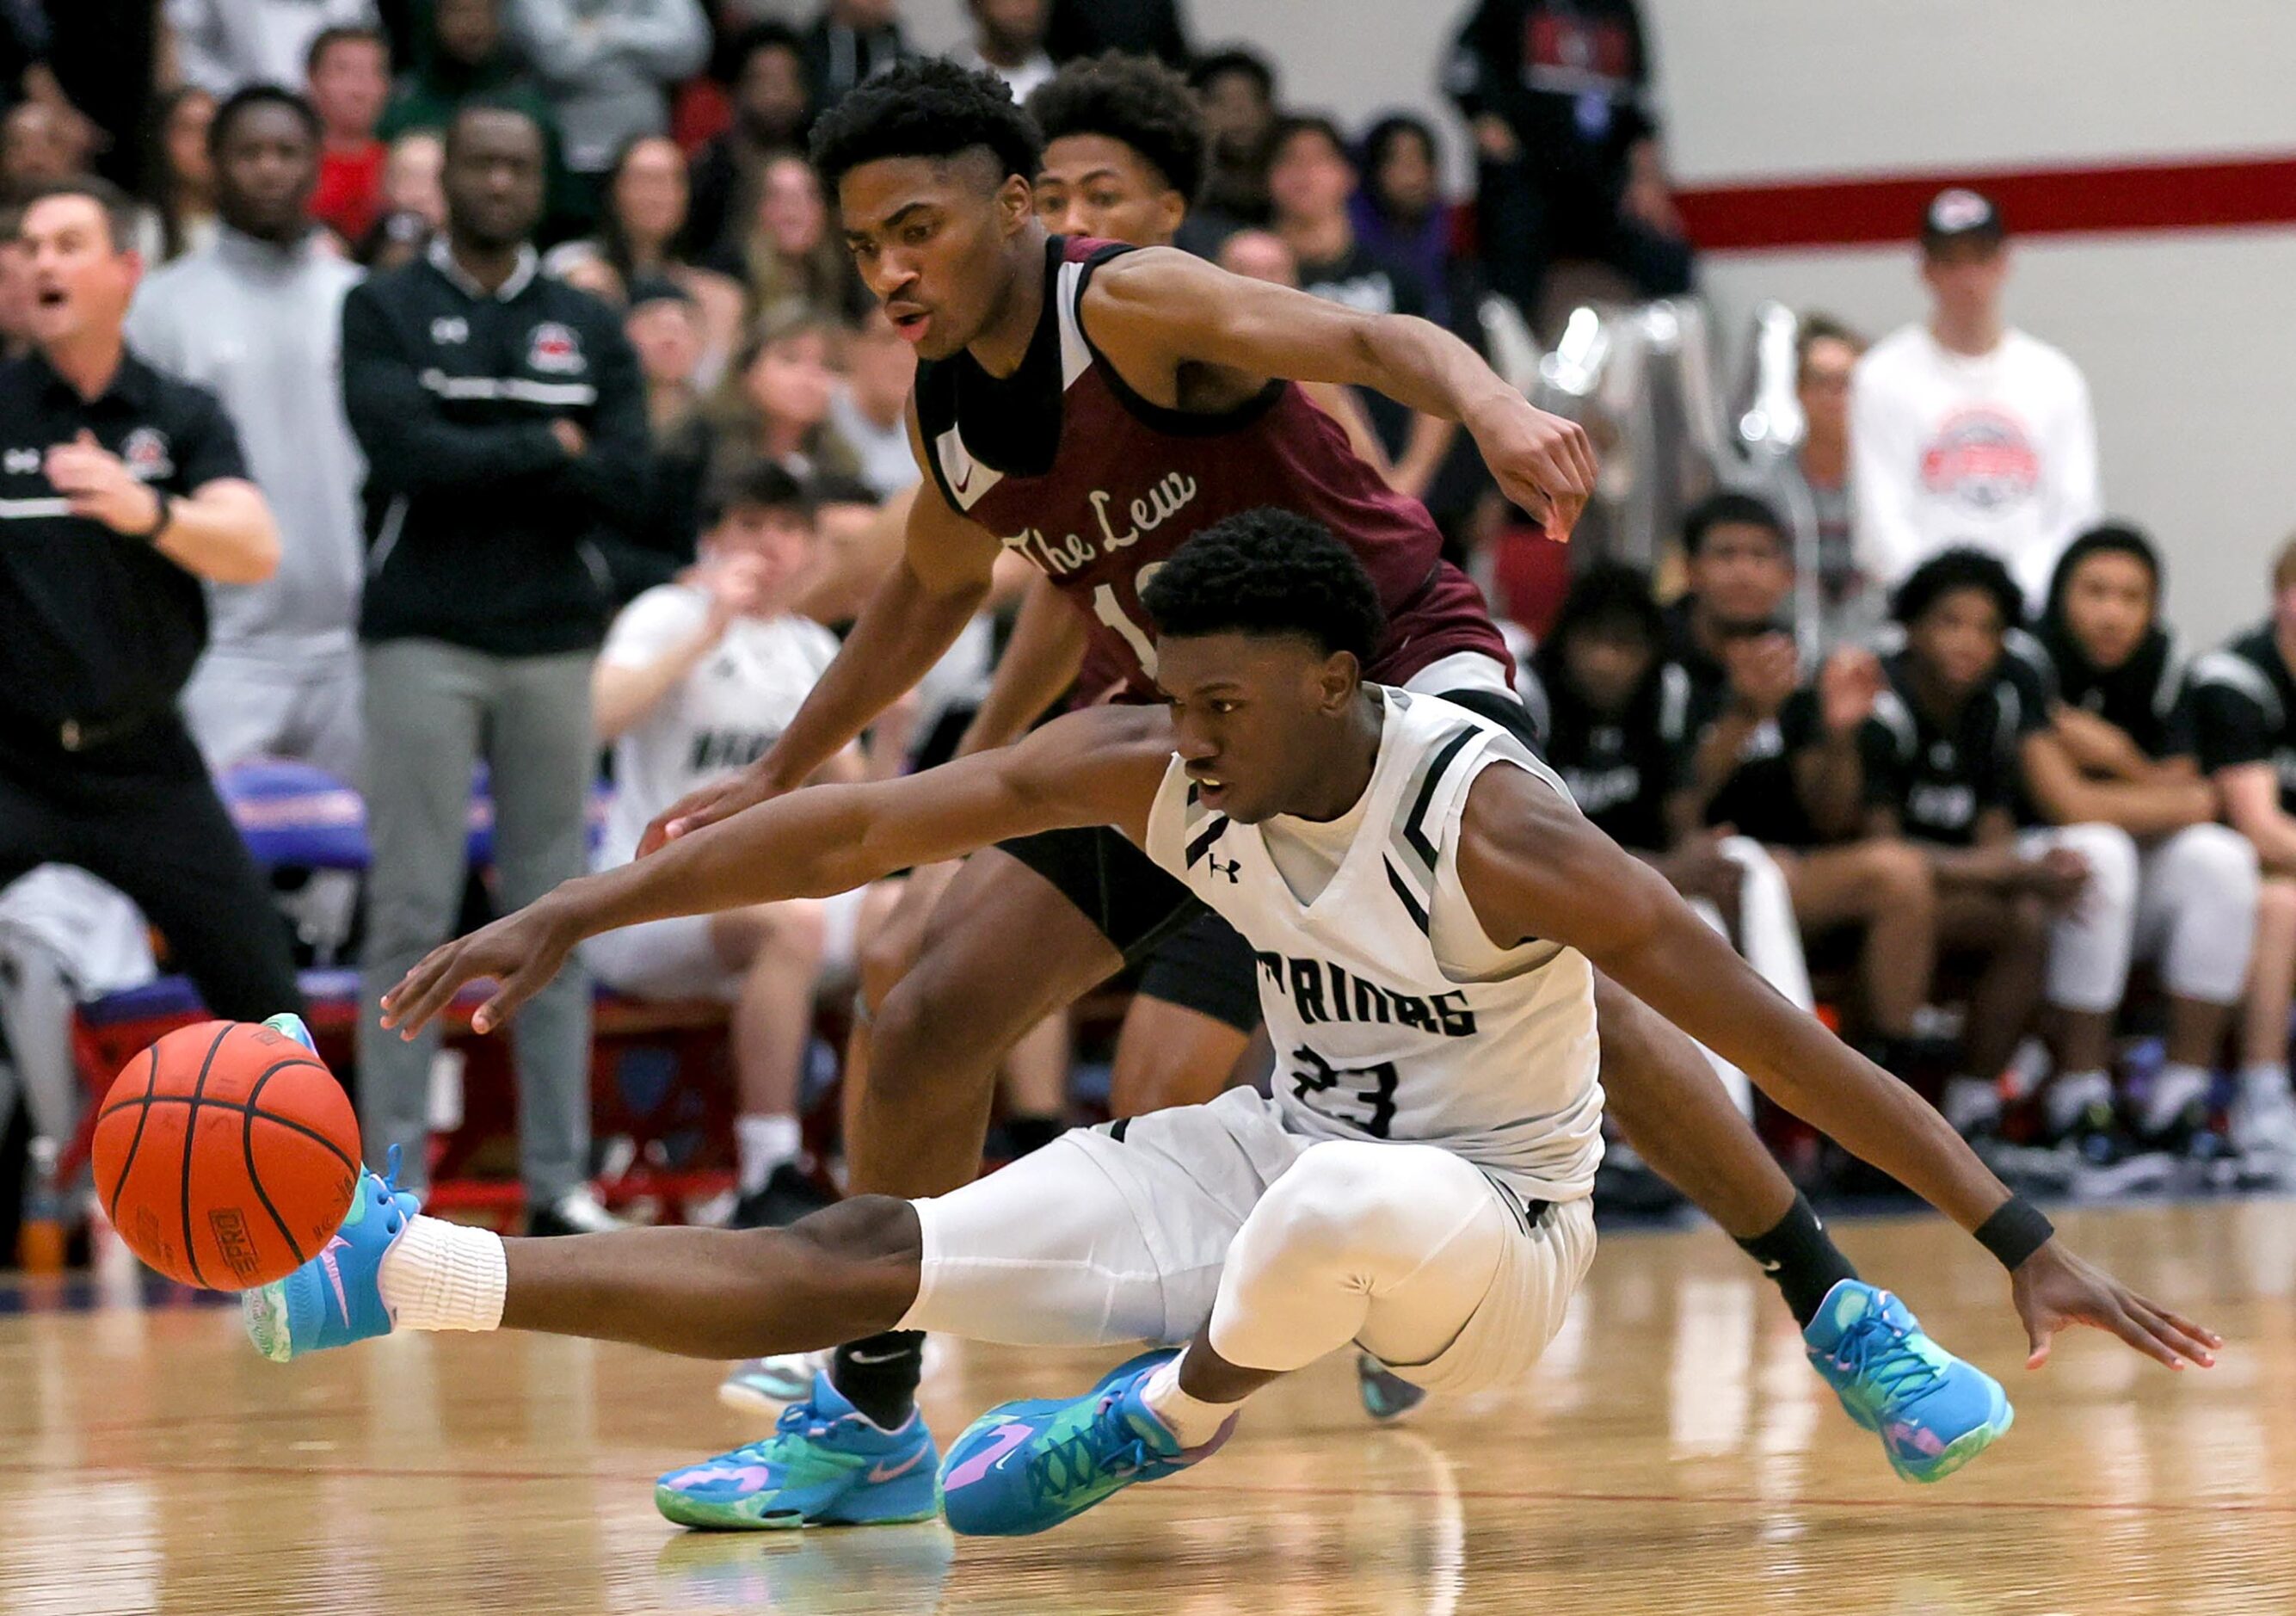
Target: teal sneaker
336 1298
1387 1396
825 1465
1025 1466
767 1385
1934 1413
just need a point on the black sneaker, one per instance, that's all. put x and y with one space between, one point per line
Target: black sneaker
2106 1159
788 1195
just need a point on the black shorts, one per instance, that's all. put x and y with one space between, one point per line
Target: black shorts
1186 953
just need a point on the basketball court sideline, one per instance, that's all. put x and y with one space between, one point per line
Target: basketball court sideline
1672 1454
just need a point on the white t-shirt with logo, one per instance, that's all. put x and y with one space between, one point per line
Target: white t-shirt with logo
1997 451
724 715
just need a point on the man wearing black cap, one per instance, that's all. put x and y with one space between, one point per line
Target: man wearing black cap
1965 430
120 490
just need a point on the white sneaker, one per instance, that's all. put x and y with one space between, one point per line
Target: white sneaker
767 1385
576 1212
2263 1122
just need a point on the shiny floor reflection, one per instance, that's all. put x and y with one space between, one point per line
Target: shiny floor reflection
1673 1453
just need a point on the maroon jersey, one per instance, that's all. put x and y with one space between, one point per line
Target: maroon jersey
1097 485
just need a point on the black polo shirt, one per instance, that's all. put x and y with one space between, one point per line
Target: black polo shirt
96 630
2244 709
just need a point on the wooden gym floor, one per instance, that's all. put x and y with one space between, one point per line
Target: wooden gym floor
1673 1453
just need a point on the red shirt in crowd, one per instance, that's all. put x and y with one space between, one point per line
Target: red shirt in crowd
348 198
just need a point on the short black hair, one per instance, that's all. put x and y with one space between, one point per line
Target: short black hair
1234 58
1393 127
1955 569
122 216
1267 571
931 108
1136 100
1293 124
327 38
2115 538
1608 594
491 104
762 483
842 488
248 97
1731 506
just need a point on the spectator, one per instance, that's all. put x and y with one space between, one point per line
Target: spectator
256 316
15 286
787 256
1814 482
771 116
1310 182
1775 760
1137 28
607 66
1400 215
133 494
182 218
2244 711
1568 160
1966 429
1238 87
1940 762
1008 40
222 44
2118 750
869 412
641 231
775 405
695 680
414 204
464 56
665 330
503 422
850 41
350 83
39 147
104 57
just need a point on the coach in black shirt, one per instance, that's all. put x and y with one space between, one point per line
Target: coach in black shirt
504 425
120 490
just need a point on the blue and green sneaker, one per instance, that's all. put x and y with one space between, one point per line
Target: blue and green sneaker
1025 1466
1934 1413
825 1465
336 1298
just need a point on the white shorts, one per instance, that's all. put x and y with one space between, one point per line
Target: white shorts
675 959
1097 1239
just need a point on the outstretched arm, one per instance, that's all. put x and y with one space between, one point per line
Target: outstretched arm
1155 310
1533 867
1097 768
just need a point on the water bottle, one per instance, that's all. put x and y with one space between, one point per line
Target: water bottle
40 1235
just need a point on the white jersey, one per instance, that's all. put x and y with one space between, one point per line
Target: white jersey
1393 1015
719 721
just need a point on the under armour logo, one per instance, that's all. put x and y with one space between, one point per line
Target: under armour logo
450 328
1229 869
23 463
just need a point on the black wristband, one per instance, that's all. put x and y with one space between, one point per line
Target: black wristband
2016 1230
166 502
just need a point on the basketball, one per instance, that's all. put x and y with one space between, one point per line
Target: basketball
225 1155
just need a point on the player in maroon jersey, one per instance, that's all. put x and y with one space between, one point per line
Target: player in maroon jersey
1093 406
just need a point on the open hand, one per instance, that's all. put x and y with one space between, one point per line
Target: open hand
2055 1288
1847 686
1764 669
706 805
520 952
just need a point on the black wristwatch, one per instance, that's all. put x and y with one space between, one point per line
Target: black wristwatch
166 520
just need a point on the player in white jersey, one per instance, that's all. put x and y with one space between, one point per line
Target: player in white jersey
1428 907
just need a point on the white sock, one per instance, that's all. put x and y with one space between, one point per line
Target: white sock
763 1143
1968 1102
1191 1420
2178 1085
441 1275
2073 1093
2264 1081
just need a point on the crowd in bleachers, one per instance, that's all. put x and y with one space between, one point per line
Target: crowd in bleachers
1970 794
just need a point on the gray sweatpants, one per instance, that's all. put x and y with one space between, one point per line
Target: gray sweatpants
431 711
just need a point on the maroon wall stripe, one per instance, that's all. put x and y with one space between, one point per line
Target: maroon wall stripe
1858 211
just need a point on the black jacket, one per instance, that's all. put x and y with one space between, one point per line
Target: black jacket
481 529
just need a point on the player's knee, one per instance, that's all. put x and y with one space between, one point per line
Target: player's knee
1349 1205
863 1228
884 960
2214 863
2110 855
1896 874
929 1013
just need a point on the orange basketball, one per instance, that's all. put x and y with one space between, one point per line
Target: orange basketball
226 1154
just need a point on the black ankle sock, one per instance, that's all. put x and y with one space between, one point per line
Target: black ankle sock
878 1373
1027 1133
1802 1258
